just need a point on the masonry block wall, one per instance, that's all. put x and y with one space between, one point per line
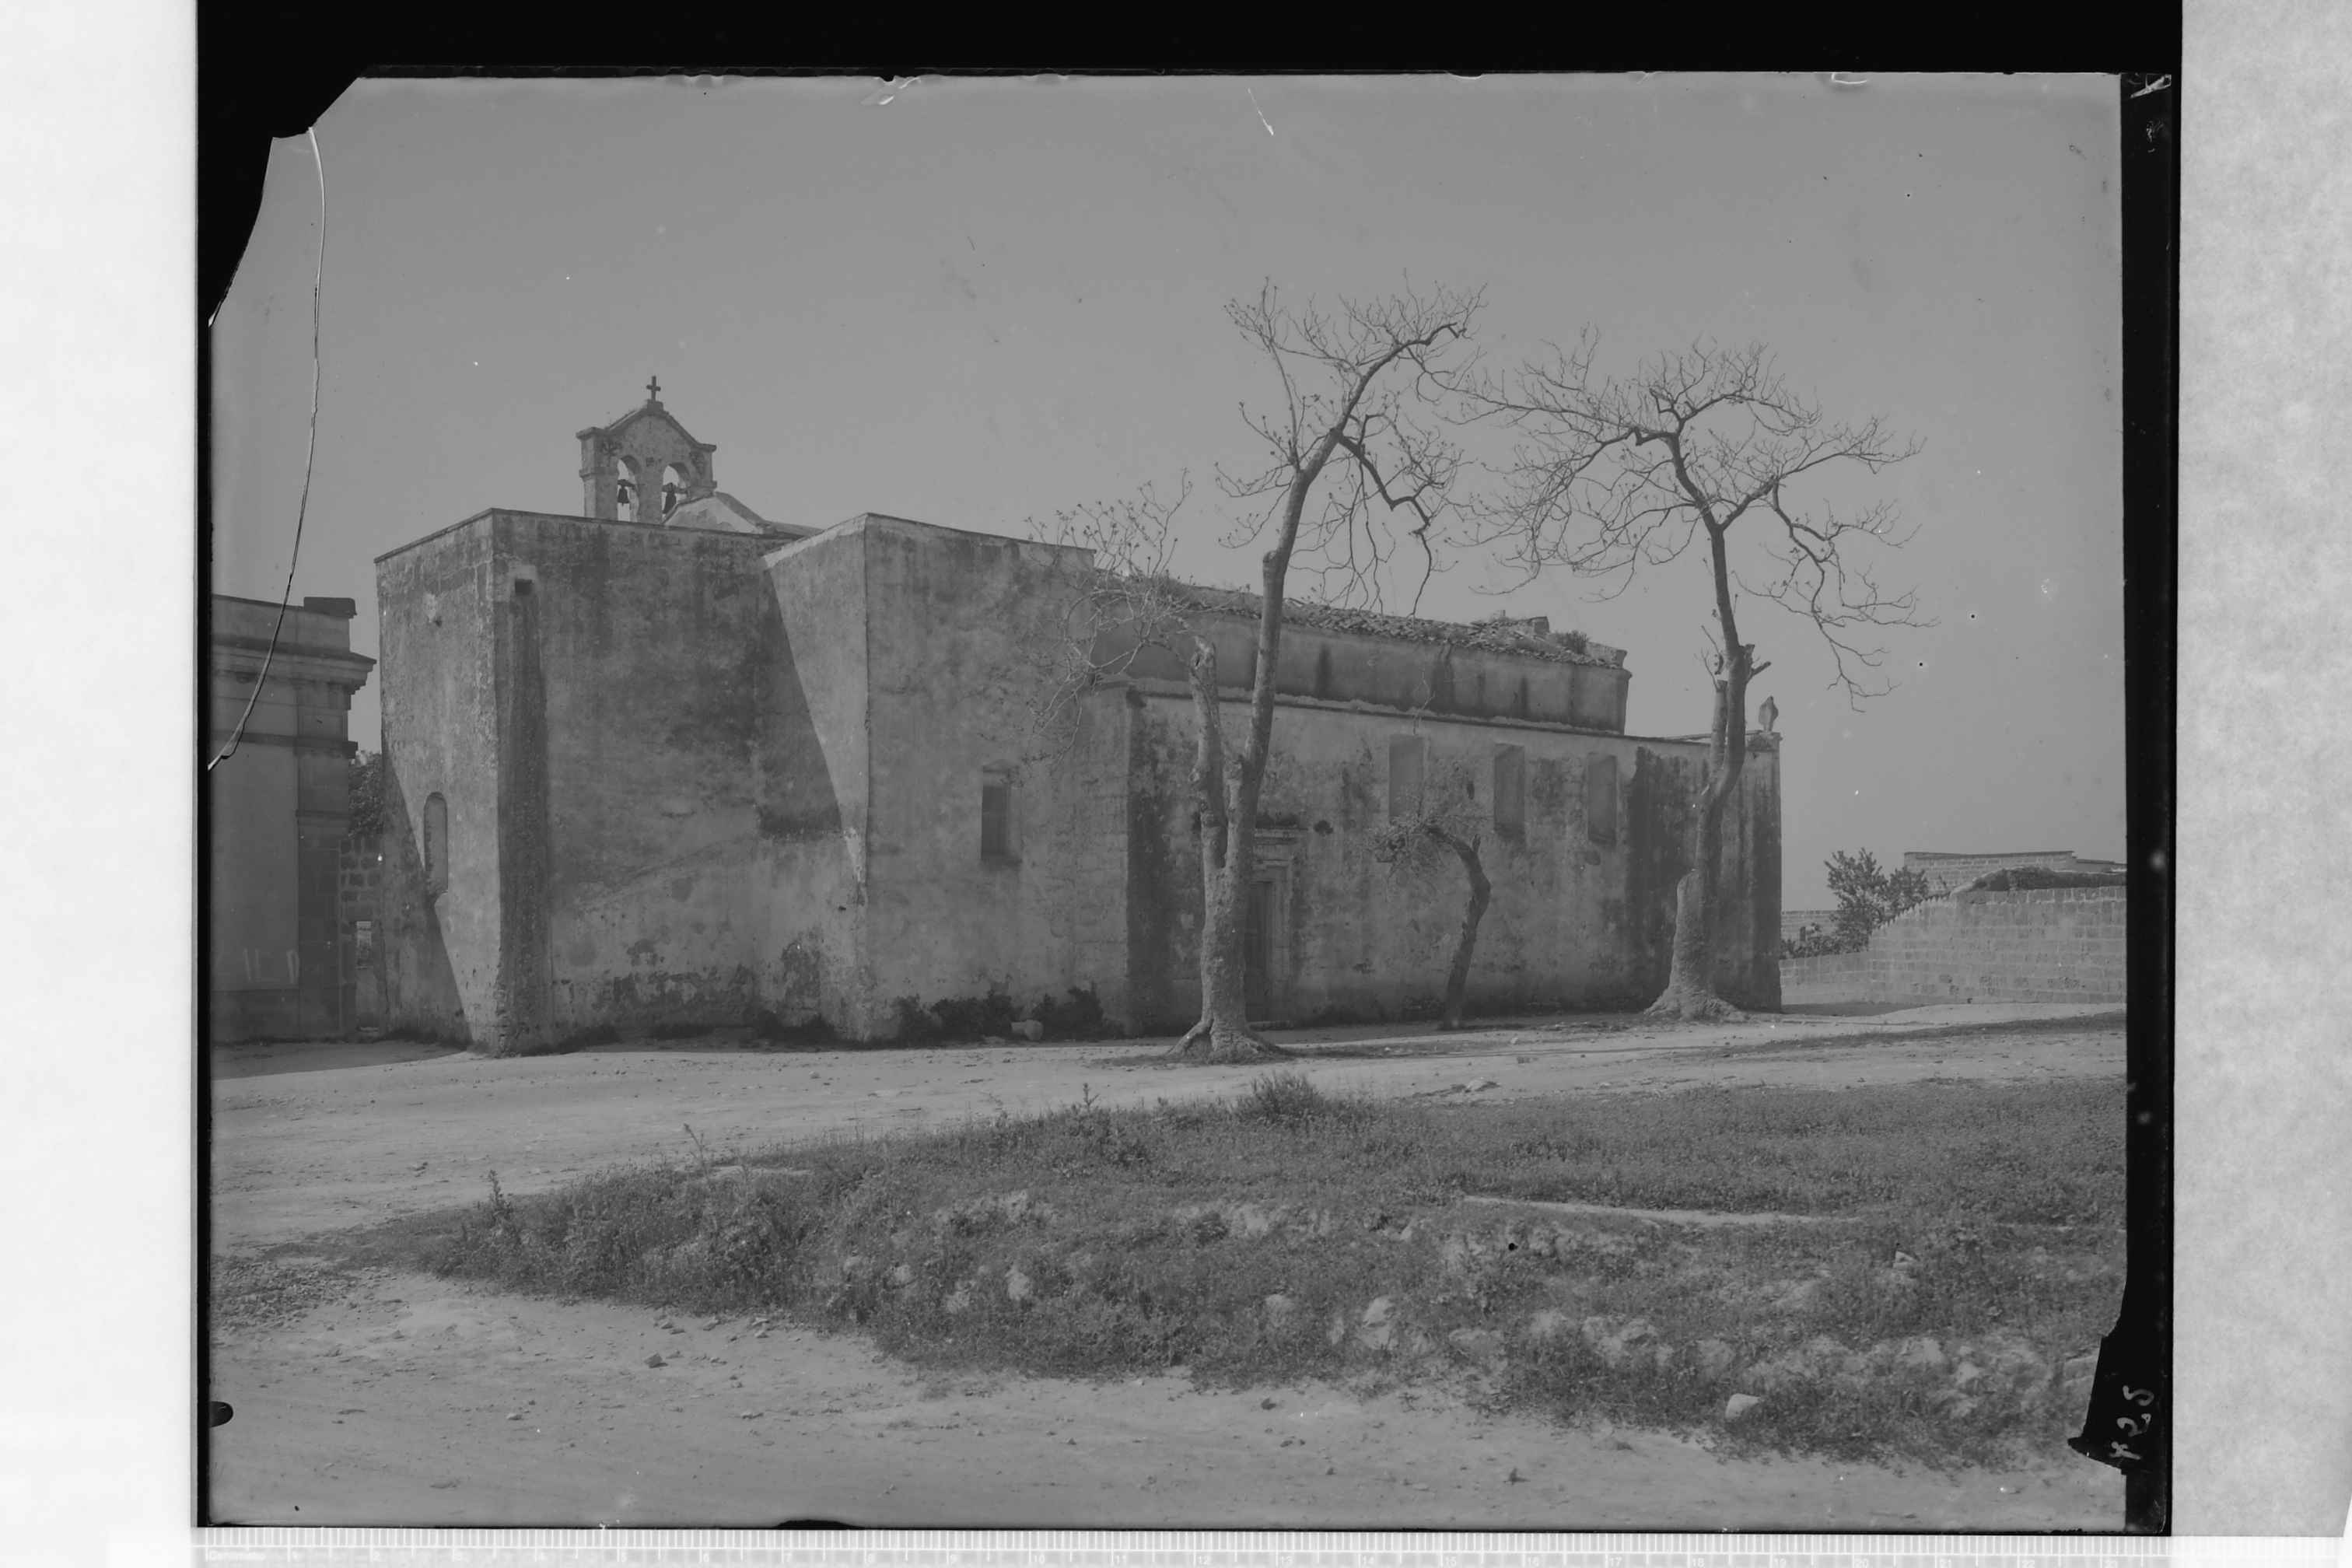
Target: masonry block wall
2051 945
640 776
1825 977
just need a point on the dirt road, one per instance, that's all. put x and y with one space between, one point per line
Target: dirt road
412 1401
394 1408
298 1152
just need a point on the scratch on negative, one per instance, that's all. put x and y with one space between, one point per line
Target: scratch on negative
1262 120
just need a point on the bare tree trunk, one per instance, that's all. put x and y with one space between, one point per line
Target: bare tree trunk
1222 1034
1457 979
1690 978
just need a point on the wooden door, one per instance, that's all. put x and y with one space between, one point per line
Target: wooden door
1257 951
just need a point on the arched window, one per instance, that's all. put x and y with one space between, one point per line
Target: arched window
673 489
437 845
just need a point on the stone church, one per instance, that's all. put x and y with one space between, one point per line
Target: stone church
667 762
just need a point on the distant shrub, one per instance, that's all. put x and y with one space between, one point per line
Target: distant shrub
770 1027
366 774
969 1017
1868 897
1079 1017
915 1023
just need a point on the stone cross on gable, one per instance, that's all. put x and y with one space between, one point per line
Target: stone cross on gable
653 389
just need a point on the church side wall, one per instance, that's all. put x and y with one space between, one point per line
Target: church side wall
963 628
1581 914
633 672
811 771
439 941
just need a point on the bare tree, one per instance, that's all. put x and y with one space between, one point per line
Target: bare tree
1354 473
1613 474
1446 818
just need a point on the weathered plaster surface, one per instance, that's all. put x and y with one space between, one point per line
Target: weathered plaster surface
1572 920
814 790
961 624
693 778
438 659
276 806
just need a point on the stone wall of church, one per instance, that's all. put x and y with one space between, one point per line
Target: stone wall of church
645 776
1400 673
654 651
963 629
437 657
1583 884
814 783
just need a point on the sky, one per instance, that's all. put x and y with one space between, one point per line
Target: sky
976 304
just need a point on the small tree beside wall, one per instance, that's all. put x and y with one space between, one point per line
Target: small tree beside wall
1868 895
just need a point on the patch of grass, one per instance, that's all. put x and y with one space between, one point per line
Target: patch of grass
1287 1099
1295 1233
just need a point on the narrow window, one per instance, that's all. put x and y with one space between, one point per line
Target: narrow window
1404 776
1600 799
437 845
1511 792
996 820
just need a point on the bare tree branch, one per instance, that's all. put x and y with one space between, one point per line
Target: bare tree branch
1355 462
1610 475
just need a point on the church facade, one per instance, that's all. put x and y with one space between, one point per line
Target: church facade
668 764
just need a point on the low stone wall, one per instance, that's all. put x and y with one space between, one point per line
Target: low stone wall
1824 977
2051 945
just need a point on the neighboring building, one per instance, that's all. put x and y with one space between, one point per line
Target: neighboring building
648 773
277 963
1948 872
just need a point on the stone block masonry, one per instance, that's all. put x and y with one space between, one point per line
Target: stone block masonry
2051 945
1824 977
